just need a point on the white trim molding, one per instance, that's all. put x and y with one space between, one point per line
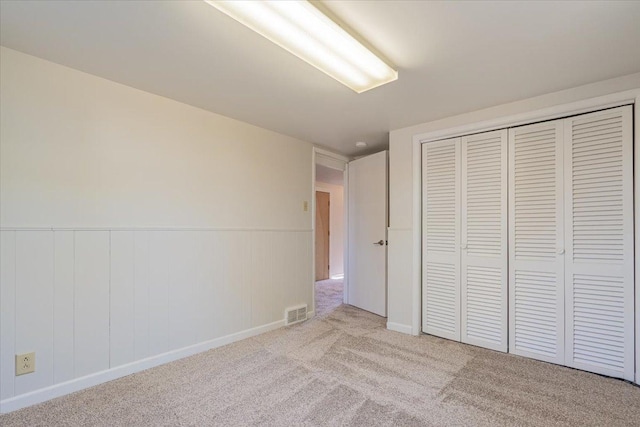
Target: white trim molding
555 112
108 228
399 327
636 197
345 261
314 156
331 154
417 241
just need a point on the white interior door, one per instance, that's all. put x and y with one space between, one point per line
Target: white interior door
441 238
367 272
599 235
484 271
536 241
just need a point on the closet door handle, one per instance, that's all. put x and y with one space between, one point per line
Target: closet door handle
560 251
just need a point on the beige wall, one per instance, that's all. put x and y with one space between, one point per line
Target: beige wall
136 229
81 151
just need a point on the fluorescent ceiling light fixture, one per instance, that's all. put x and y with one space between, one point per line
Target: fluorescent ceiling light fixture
302 29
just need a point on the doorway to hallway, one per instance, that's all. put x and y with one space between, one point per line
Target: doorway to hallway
329 295
329 235
323 234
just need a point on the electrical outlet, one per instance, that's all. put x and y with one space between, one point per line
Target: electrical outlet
25 363
305 206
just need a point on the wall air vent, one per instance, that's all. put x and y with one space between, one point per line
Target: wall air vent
295 314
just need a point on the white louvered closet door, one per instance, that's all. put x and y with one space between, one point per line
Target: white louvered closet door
484 270
441 238
536 252
599 236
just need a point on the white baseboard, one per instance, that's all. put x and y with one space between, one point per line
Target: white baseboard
399 327
58 390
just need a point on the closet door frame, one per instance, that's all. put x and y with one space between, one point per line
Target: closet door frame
524 116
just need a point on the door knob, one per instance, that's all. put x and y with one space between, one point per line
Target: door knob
379 243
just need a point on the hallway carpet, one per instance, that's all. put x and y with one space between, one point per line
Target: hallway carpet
344 368
328 296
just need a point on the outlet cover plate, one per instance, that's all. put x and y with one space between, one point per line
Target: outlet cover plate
25 363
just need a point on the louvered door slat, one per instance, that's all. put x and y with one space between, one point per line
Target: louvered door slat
441 238
599 236
536 291
484 240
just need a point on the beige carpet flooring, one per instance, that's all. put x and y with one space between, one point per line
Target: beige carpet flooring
344 368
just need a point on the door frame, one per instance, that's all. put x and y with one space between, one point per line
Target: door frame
531 116
341 163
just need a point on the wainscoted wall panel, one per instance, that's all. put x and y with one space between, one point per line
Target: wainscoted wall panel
141 294
263 250
274 278
94 300
122 298
182 298
91 305
205 286
230 294
7 312
159 247
34 308
63 313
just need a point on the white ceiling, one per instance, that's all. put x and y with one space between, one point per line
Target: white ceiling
453 57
